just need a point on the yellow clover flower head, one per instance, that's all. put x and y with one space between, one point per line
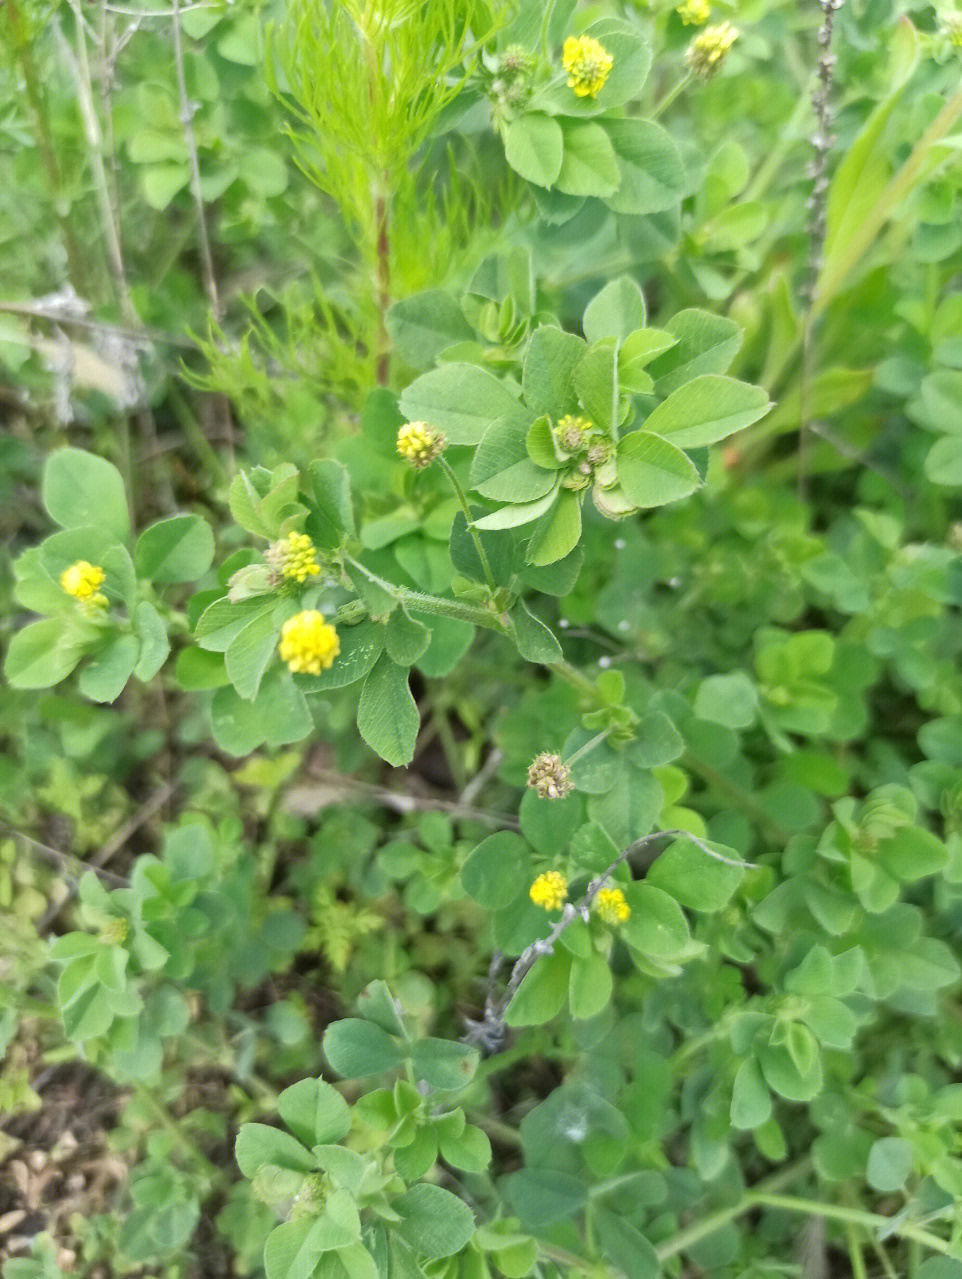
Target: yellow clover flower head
952 28
694 13
308 644
419 444
574 432
587 63
611 906
294 557
114 931
550 776
83 581
709 49
550 890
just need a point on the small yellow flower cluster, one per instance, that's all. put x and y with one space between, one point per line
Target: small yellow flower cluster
694 12
114 931
709 48
611 906
419 443
587 63
952 28
549 890
574 432
308 644
83 581
294 557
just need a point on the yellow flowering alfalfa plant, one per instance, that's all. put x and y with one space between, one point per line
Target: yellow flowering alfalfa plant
558 92
499 468
624 413
102 593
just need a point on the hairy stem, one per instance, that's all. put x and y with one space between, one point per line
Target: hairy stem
475 535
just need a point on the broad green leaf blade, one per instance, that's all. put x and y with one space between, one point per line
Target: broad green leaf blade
706 410
387 717
533 146
433 1221
361 646
259 1145
653 177
249 653
657 924
80 488
557 532
615 312
502 470
179 549
694 878
334 515
442 1063
596 381
549 363
589 166
104 677
422 326
315 1112
516 514
536 642
461 400
543 992
651 471
497 871
356 1048
706 343
41 655
154 644
590 986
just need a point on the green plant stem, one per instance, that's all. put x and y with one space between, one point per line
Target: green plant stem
571 675
855 1216
679 88
449 746
357 610
738 796
588 746
195 436
578 1265
459 493
169 1125
497 1129
714 1221
775 158
474 615
694 1046
856 1259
